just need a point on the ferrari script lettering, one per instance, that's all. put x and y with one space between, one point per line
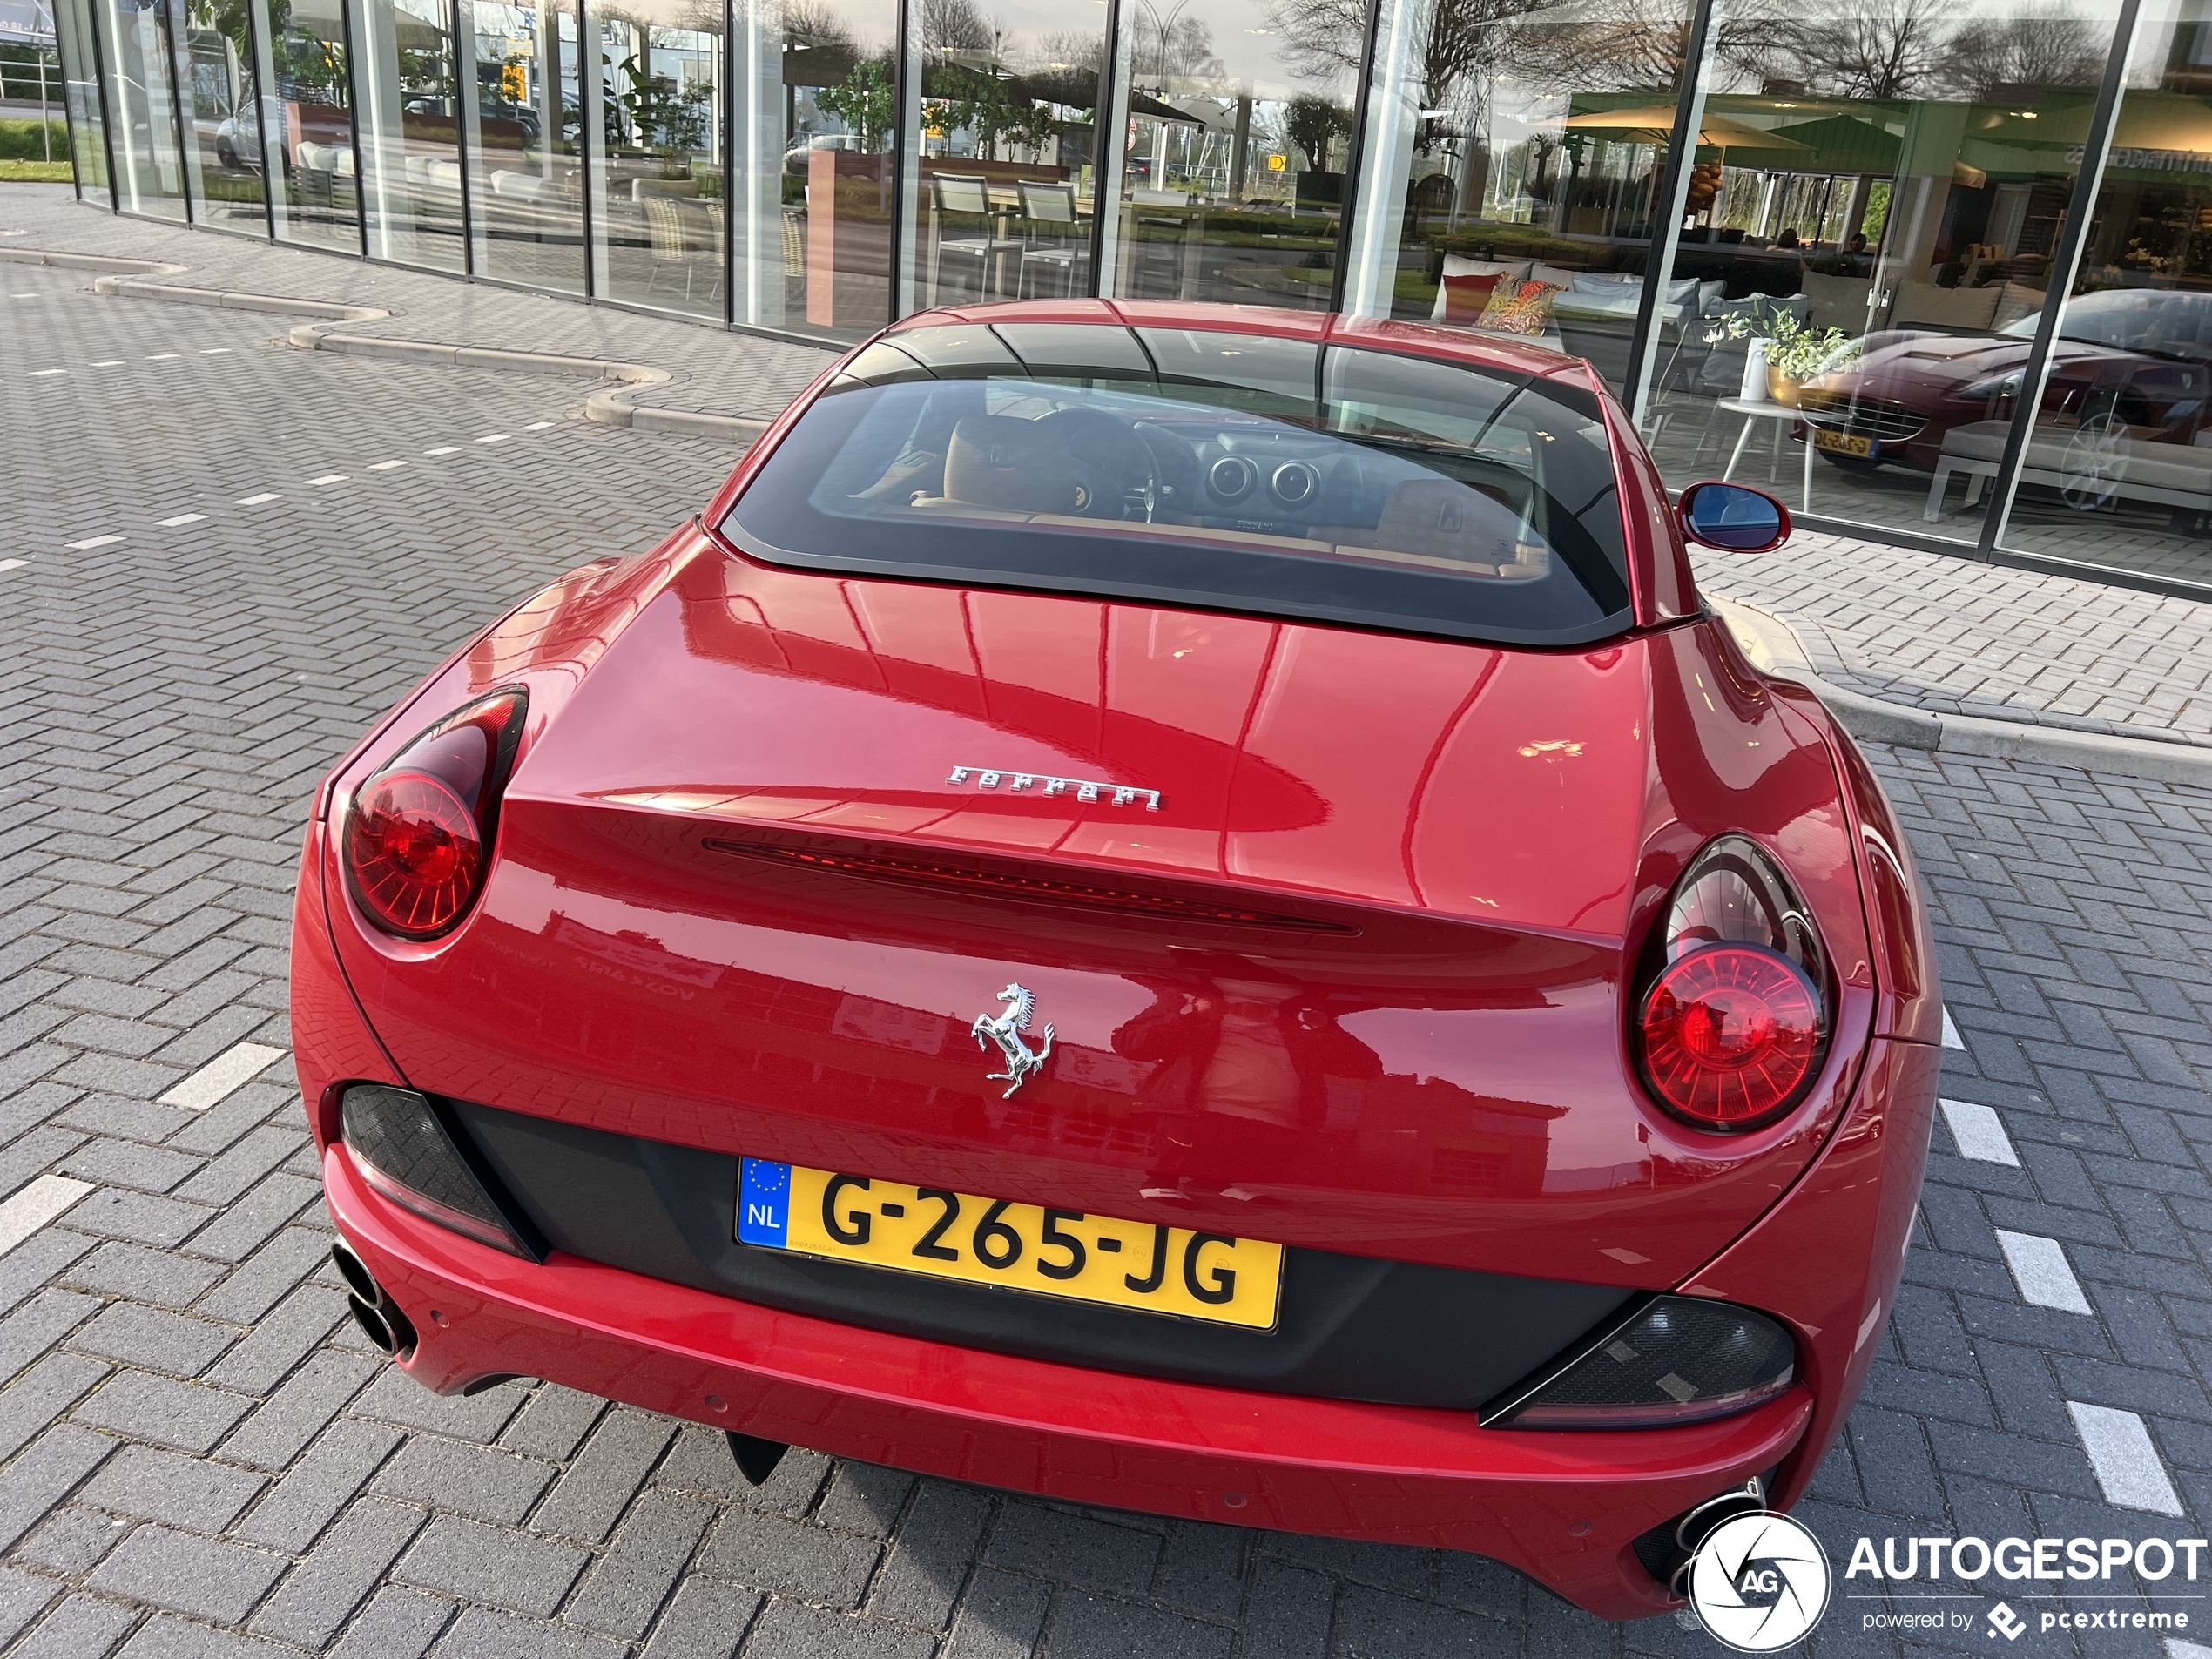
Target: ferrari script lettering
1044 783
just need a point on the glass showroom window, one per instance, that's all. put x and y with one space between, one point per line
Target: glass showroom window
665 223
814 117
222 119
80 59
1004 179
1514 169
309 127
1879 195
526 158
142 105
2117 470
1239 135
409 119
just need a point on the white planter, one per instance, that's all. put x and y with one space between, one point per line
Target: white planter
1754 387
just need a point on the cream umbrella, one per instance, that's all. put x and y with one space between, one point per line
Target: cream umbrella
1655 125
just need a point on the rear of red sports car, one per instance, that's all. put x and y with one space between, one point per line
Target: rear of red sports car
1174 908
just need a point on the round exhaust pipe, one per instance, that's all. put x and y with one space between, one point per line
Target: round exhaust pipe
380 1318
1697 1524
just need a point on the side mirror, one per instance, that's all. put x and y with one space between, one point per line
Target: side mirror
1733 517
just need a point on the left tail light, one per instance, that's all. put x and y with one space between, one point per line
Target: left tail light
418 838
407 1150
1732 1013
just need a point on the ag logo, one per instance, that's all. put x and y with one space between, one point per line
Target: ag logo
1759 1583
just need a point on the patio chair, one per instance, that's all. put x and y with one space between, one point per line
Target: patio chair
968 197
1050 239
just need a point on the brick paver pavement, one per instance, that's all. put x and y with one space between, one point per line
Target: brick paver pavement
199 1455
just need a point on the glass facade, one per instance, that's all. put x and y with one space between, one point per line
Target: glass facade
1939 272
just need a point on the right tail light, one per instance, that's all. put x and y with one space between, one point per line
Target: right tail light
1732 1021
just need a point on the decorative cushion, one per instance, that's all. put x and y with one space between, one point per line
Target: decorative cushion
2015 301
1837 302
1466 298
1455 265
1604 281
1527 311
1557 276
1968 310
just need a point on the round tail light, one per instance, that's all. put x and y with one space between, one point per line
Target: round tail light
1730 1034
412 853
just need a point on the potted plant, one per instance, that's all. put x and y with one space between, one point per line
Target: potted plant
1796 352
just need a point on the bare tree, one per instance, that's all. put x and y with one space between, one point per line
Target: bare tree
2041 46
958 25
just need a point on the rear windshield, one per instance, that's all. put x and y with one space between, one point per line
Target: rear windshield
1225 471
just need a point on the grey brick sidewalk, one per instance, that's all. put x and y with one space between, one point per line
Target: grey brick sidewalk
198 1457
719 373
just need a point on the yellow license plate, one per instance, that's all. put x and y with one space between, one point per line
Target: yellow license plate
1844 443
1015 1247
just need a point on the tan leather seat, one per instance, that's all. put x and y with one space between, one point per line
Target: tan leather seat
1436 519
1021 466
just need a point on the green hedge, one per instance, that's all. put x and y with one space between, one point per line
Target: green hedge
19 141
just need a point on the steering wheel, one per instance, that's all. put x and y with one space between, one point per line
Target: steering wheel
1108 451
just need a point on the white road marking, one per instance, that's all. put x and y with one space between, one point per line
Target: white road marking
387 465
214 351
537 426
41 1201
328 478
106 362
41 373
13 564
23 296
2178 1648
255 500
1979 1132
2040 1269
1951 1037
230 1070
2126 1462
164 356
493 437
181 518
91 541
444 449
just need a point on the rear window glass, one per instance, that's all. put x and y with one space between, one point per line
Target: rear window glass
1220 470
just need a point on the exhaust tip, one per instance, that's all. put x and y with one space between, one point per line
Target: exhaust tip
355 1272
373 1326
380 1318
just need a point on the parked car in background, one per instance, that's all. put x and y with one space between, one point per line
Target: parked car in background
2132 363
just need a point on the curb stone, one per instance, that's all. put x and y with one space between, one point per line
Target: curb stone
1774 648
127 279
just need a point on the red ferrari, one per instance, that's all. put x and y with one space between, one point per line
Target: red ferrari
1176 907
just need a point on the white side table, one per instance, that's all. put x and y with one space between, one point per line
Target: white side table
1755 412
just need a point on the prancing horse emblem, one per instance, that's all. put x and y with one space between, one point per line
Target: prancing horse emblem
1006 1030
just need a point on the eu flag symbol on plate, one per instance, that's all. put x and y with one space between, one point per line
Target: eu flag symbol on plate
764 1203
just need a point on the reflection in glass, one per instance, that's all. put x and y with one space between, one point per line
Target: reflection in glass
307 128
663 224
1871 227
142 104
813 122
1006 174
526 160
1522 158
410 133
80 64
2117 467
1240 127
222 119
